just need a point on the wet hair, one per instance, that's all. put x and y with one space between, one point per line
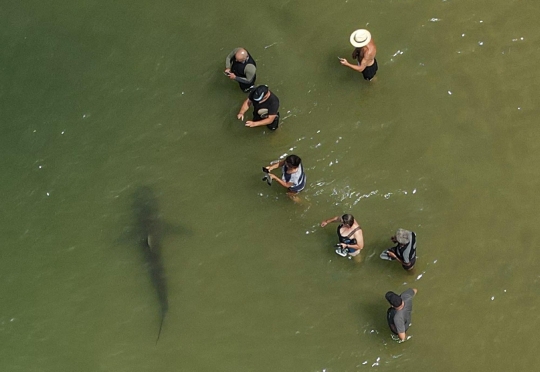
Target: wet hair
347 219
293 161
393 298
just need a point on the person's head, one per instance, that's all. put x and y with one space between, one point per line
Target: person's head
360 38
258 94
241 55
292 162
347 220
394 299
403 236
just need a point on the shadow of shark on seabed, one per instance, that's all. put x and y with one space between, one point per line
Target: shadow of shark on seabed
149 228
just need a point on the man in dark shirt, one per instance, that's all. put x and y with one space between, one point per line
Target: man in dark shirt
405 250
241 67
265 108
399 315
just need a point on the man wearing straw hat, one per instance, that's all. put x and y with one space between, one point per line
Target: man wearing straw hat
364 53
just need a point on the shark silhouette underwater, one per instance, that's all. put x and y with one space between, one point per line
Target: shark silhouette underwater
149 228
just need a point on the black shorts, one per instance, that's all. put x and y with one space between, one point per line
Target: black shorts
410 266
273 125
370 71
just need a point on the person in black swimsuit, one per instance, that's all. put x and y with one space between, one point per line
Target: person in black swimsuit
351 238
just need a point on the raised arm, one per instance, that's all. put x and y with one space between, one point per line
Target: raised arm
228 59
275 164
330 220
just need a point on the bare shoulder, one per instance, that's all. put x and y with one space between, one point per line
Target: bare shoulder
372 51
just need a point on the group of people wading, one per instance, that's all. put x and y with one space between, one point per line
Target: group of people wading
241 67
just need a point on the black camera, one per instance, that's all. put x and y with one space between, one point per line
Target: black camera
267 177
341 251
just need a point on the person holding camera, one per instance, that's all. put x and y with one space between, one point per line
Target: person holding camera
241 67
405 250
351 238
292 178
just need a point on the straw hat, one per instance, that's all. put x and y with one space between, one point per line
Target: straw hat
360 38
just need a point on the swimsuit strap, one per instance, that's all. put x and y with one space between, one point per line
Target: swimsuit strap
352 232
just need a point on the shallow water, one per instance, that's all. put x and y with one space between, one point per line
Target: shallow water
101 98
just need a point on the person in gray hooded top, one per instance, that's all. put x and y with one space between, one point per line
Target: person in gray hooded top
405 250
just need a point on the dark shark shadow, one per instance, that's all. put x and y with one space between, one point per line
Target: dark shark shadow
149 230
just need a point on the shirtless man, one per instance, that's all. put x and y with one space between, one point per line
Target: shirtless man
364 53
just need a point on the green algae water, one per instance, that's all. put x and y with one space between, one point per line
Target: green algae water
101 98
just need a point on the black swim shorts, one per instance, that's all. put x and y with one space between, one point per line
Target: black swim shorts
274 125
370 71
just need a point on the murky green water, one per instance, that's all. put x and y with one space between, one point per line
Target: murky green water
100 98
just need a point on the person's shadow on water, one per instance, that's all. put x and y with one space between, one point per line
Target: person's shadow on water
372 313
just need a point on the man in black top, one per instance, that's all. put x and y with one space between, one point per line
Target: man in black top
240 66
265 108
